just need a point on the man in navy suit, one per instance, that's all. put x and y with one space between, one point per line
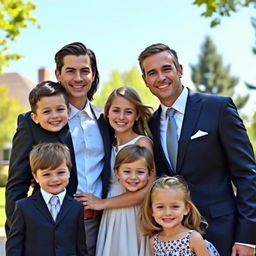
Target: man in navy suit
214 151
40 227
86 135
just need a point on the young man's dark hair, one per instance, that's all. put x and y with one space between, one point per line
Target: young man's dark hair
77 49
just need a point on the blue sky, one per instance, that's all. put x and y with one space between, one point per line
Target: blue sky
118 30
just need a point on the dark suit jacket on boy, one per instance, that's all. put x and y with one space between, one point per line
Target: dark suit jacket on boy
28 134
34 232
213 150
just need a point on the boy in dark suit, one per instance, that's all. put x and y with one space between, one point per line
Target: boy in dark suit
38 228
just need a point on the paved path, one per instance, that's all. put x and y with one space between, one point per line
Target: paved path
2 241
2 246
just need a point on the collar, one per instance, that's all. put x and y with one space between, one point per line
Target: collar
179 105
74 111
46 195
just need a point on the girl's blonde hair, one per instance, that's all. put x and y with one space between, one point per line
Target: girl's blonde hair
144 112
192 220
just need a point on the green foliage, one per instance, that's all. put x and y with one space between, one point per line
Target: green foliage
131 78
9 109
2 207
252 132
211 76
216 9
14 16
3 175
251 86
252 126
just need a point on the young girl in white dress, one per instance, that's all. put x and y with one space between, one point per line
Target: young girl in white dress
118 233
172 221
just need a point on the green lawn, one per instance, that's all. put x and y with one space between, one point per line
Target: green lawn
2 203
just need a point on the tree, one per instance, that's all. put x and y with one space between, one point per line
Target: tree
210 75
252 125
252 131
251 86
222 8
9 110
14 16
131 78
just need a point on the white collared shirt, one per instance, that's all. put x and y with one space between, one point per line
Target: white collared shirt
47 196
88 149
179 105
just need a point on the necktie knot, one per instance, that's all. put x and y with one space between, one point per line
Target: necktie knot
170 112
54 200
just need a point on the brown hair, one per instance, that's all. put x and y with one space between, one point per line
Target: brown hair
140 126
132 153
192 221
156 48
46 89
77 49
49 156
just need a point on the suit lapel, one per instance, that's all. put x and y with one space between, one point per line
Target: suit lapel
106 137
65 137
65 207
104 131
193 107
40 204
155 129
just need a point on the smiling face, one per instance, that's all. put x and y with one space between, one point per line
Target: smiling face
133 176
51 113
53 181
168 207
76 76
122 114
162 77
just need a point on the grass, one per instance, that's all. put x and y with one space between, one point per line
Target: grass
2 204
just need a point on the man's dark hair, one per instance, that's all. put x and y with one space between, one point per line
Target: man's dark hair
78 49
156 48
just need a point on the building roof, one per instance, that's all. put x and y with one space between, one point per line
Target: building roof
19 86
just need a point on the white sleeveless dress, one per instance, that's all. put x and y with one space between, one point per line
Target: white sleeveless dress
119 233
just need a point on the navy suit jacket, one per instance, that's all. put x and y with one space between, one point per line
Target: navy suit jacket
28 134
34 232
209 163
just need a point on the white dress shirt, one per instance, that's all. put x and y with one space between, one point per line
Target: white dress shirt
88 149
179 105
47 196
